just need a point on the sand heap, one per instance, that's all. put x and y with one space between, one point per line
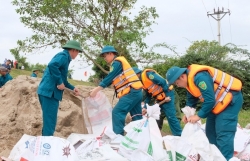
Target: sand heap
21 112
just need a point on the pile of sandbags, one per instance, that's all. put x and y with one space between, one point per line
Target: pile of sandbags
143 140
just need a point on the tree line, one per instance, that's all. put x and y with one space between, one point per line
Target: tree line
113 22
228 58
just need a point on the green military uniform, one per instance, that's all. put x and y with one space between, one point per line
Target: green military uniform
162 115
48 93
130 102
220 128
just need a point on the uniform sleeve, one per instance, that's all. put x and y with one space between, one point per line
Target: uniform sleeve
191 100
115 70
157 79
54 66
1 82
147 99
68 85
204 82
10 77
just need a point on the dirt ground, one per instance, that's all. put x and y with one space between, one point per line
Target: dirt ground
21 112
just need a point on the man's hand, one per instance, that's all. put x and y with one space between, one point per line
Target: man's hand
144 111
193 119
4 159
142 104
167 99
76 92
184 119
61 86
94 91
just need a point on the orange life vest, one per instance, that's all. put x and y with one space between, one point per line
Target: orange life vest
127 79
223 83
155 90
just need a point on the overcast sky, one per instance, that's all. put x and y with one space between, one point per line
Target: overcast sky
180 22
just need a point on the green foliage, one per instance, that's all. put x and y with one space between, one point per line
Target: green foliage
70 73
240 70
38 66
21 59
223 58
162 68
99 74
220 57
93 23
205 53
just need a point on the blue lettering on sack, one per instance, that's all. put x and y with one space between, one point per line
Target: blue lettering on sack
46 146
46 152
27 144
146 123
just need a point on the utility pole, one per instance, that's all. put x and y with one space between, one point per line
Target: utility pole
218 18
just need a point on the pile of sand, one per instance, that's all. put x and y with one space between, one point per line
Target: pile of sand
21 112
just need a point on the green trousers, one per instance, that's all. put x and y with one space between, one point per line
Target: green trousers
177 108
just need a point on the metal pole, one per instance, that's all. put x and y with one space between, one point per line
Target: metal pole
218 17
218 13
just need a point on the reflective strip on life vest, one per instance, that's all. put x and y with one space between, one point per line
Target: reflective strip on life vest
155 90
220 85
123 73
122 88
225 92
152 86
123 80
215 74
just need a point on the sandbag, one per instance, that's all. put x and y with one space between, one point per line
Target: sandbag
40 148
143 140
97 113
97 148
241 140
190 128
245 154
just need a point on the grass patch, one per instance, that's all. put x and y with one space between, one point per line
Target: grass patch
16 72
77 82
243 120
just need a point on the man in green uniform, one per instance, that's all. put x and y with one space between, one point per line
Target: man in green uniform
152 102
127 86
54 81
34 72
5 76
168 108
222 100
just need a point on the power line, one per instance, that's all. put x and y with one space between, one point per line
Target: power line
230 30
215 3
222 36
209 20
230 25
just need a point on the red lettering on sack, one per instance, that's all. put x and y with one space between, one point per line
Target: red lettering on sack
193 157
23 159
99 117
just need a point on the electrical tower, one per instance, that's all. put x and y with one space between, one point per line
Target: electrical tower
218 18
